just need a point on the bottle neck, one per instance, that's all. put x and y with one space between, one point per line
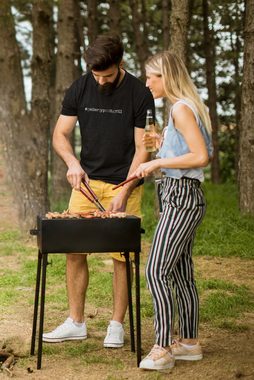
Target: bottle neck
149 120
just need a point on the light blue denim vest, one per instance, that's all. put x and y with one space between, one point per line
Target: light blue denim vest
174 145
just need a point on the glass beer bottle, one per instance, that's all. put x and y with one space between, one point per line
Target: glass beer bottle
150 132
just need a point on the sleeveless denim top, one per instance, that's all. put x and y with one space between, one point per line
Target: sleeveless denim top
175 145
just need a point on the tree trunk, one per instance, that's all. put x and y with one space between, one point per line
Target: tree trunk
25 137
179 25
209 49
67 70
13 113
166 41
138 22
92 20
246 178
114 16
165 23
236 50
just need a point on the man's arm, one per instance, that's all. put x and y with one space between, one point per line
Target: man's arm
141 155
62 146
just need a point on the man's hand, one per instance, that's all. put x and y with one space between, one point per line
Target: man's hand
75 174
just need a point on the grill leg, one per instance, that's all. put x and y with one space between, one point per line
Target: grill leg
36 302
138 320
43 288
128 274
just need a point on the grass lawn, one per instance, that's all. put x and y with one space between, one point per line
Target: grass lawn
224 238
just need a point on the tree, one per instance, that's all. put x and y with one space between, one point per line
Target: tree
165 23
67 70
92 20
179 24
25 133
138 12
114 14
210 57
246 178
146 27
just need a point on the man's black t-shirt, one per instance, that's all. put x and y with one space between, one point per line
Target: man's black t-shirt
107 124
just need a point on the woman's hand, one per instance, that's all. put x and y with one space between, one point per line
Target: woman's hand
150 139
119 202
147 168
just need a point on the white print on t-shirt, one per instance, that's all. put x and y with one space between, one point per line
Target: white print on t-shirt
103 110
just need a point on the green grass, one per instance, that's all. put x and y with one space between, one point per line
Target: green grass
220 304
149 217
10 235
100 289
224 305
224 232
8 296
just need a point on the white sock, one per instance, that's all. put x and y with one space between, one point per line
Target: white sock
115 323
79 324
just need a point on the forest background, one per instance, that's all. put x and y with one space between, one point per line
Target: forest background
41 54
41 47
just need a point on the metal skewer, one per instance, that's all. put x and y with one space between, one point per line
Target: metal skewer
92 197
124 182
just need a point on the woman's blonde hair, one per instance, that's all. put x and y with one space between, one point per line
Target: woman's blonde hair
177 82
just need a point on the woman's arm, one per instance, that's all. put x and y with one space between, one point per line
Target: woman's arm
185 122
119 202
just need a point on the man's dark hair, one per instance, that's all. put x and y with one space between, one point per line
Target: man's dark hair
105 51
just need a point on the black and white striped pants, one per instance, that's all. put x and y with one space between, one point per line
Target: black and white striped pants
170 262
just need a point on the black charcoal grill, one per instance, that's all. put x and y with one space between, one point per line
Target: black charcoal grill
95 235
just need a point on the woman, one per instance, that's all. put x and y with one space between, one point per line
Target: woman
185 150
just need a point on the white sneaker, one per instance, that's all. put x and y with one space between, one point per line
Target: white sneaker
115 335
158 359
69 330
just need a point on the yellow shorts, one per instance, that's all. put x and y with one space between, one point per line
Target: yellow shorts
79 203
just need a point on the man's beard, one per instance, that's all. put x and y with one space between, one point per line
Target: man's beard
108 88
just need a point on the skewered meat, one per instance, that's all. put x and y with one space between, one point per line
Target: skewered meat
86 215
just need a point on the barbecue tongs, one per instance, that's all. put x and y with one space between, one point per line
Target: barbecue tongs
91 196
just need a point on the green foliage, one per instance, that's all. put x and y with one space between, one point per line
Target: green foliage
149 219
225 20
227 155
61 204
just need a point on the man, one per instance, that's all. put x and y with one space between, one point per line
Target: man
110 106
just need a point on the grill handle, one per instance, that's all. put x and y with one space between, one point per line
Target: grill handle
34 232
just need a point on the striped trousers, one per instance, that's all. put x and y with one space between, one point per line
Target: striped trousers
170 266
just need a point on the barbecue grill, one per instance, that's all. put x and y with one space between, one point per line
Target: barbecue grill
95 235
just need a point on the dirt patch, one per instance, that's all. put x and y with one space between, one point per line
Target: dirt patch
226 355
224 359
235 270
